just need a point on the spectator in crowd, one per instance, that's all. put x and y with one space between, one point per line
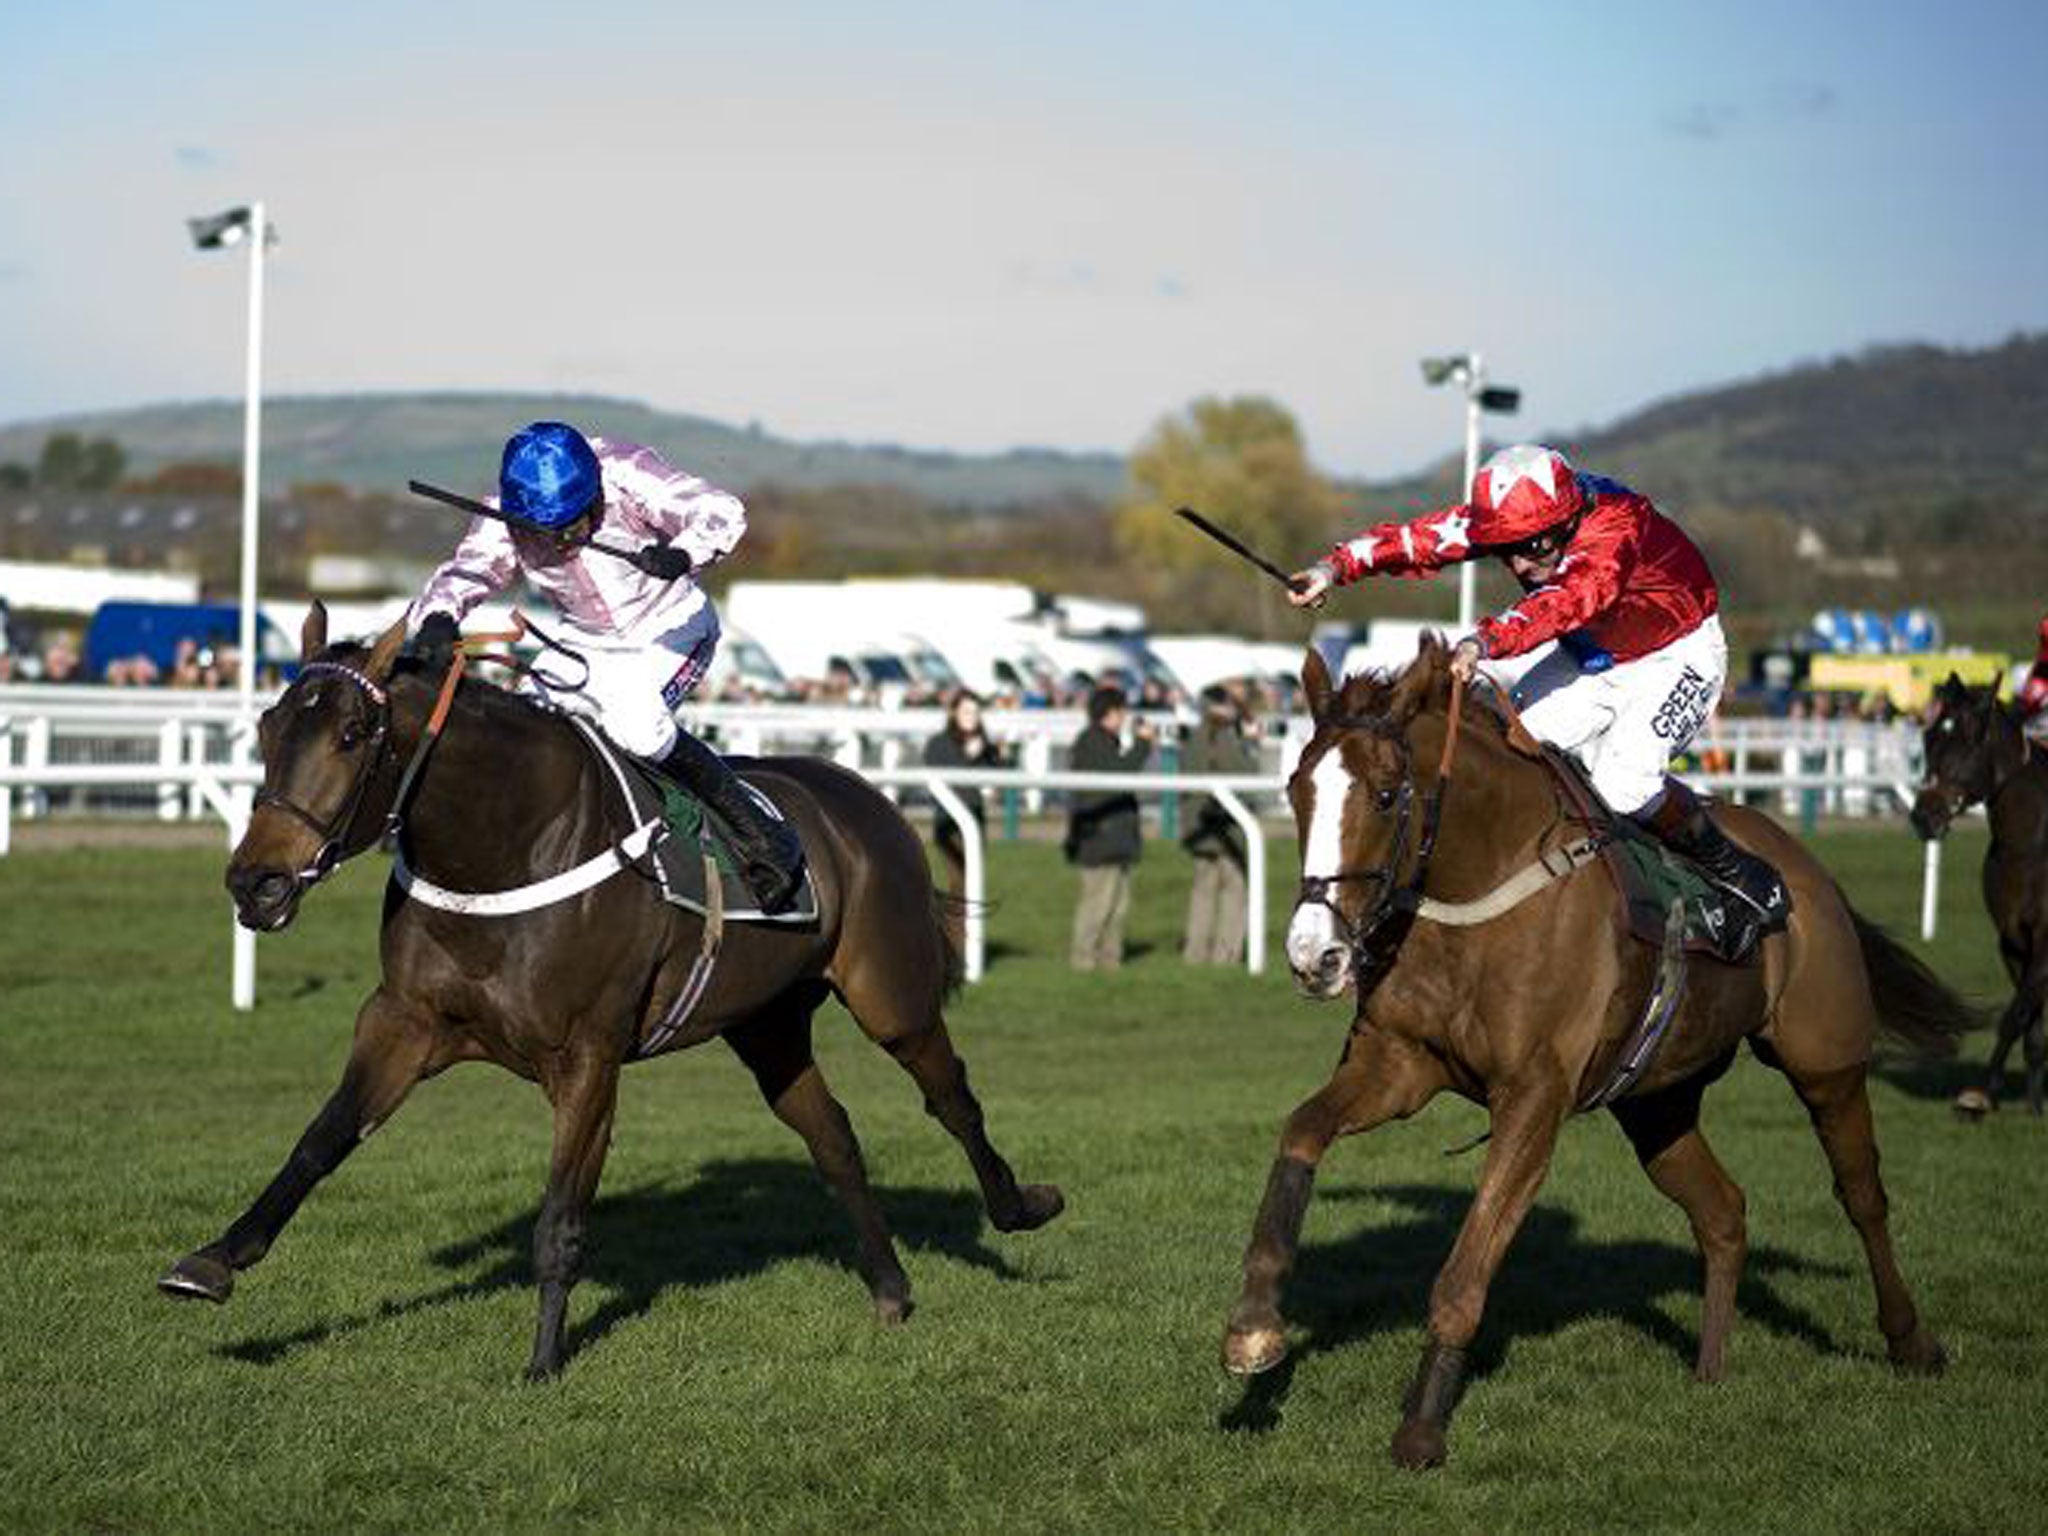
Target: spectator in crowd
961 744
60 659
1104 837
136 671
1220 743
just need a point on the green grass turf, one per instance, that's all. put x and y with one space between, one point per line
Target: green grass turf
727 1375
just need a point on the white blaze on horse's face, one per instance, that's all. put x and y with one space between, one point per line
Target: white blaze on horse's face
1316 948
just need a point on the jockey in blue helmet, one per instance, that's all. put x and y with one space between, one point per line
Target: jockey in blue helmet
645 628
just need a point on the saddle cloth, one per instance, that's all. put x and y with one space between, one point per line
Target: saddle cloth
1648 875
693 831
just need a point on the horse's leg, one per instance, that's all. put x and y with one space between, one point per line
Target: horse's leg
1380 1078
1839 1107
2033 991
929 1057
584 1090
390 1053
1664 1130
2037 1060
2012 1024
775 1045
1524 1125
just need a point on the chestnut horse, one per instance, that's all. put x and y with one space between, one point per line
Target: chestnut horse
1526 1013
566 993
1977 754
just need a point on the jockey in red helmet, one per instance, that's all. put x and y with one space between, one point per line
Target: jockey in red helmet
647 635
1628 598
2033 697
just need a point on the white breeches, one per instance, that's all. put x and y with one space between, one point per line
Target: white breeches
633 693
1627 723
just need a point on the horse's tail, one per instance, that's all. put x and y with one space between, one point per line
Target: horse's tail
1915 1007
949 916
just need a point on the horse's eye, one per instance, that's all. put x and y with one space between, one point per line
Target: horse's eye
1385 799
351 738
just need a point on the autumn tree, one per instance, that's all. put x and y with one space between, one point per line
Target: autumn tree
1240 462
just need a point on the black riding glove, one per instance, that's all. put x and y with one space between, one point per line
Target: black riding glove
434 645
664 562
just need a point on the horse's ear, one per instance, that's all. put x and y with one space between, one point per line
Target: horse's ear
313 633
384 654
1316 684
1997 683
1419 678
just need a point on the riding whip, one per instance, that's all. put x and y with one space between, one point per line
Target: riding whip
661 561
1236 546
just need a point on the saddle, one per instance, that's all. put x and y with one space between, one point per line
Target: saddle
693 840
1651 878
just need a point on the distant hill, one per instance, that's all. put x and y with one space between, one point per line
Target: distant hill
378 442
1891 436
1894 432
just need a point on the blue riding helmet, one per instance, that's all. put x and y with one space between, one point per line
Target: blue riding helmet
550 475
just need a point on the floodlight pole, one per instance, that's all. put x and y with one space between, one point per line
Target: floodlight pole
1474 379
252 457
1468 371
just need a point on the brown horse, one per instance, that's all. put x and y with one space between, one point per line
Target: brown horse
566 993
1977 754
1527 1011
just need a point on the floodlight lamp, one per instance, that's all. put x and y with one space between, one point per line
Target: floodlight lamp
219 231
1441 370
1500 399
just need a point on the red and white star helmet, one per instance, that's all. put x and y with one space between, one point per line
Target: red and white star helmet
1520 492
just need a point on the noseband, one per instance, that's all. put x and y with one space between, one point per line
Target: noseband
334 829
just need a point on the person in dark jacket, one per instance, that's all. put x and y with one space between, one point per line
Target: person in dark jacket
962 744
1103 832
1216 898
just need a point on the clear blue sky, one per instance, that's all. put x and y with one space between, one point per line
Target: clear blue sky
980 225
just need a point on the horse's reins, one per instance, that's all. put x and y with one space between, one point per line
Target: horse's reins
465 647
333 831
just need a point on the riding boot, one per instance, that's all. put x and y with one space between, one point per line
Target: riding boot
1760 902
770 854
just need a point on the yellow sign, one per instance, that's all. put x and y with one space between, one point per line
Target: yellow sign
1908 681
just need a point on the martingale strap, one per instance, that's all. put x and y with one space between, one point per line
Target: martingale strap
1514 890
597 869
623 854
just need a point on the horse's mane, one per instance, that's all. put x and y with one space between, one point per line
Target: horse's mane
495 703
1423 687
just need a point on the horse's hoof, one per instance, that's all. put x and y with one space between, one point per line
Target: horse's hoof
1251 1351
1919 1353
1036 1205
1419 1445
1973 1104
892 1308
198 1276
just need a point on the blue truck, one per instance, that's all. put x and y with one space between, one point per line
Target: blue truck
122 629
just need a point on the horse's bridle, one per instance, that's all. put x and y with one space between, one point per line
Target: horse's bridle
333 831
1373 940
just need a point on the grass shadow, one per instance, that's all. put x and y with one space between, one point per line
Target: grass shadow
1941 1079
1377 1282
737 1218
